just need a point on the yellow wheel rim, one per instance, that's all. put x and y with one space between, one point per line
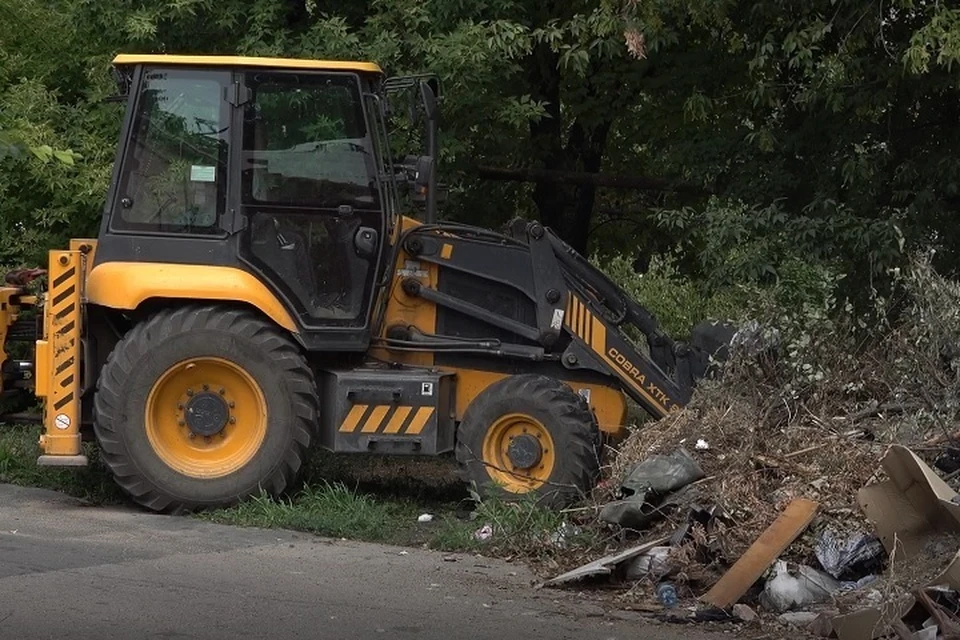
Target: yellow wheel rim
518 453
187 404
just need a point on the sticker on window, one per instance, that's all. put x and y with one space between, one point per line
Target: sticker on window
201 173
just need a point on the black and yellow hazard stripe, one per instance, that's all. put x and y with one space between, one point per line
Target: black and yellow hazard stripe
593 332
58 355
386 419
580 320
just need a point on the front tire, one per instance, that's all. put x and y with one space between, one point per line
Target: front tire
529 435
203 406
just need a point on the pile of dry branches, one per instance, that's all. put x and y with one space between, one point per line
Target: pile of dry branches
811 413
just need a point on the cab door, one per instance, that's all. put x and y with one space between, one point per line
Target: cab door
310 201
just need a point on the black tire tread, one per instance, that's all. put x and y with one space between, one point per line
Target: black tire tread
164 324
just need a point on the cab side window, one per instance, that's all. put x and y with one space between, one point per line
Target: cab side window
175 171
306 143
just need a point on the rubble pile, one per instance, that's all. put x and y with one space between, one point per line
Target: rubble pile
748 472
811 484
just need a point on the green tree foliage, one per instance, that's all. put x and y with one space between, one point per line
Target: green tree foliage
749 133
56 135
827 130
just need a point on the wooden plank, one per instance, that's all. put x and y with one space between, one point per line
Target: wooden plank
762 553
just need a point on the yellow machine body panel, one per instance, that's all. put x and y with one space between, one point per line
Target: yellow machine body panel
88 247
126 285
608 402
406 310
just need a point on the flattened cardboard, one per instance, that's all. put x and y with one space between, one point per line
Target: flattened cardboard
914 503
871 622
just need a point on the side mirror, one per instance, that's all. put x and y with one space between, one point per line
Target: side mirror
428 94
423 170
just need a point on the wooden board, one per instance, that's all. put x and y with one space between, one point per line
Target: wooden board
762 553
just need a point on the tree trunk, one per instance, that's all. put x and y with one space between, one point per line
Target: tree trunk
297 17
589 147
546 135
565 206
608 180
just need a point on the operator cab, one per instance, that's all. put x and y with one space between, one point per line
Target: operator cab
279 168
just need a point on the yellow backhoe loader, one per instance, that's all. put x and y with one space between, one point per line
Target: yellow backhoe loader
255 291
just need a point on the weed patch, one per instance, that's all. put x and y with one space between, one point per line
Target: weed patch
328 509
18 465
519 529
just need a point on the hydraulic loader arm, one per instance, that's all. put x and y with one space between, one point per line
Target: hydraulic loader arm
579 317
601 317
599 345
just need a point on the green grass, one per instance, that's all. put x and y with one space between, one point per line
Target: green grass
455 535
18 465
519 528
368 498
328 509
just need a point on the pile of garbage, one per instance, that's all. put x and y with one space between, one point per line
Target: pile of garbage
805 487
901 577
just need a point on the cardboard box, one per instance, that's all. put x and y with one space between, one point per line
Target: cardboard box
909 507
912 504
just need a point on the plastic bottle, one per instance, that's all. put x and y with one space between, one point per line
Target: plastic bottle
667 595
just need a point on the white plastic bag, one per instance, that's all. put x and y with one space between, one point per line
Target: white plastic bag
786 590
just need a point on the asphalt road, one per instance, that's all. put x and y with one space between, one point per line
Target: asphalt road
73 571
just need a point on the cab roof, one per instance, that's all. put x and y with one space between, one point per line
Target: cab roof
246 61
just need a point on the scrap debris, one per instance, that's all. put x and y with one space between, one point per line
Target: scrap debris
858 593
758 558
816 493
796 588
606 565
655 477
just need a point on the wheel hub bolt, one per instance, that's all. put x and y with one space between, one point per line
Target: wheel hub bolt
206 413
525 452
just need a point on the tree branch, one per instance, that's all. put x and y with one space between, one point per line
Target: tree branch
641 183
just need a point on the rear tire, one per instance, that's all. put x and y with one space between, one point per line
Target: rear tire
555 434
187 371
